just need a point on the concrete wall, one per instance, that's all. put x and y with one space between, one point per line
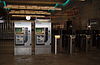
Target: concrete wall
90 11
87 10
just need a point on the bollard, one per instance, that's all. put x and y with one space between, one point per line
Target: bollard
71 43
56 37
88 38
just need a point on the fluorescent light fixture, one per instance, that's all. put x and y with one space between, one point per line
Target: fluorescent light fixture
28 12
1 21
32 7
82 0
28 17
57 36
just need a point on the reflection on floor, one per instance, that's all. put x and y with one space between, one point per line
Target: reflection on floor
91 58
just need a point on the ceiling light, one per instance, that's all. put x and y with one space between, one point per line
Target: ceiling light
28 12
89 26
28 17
32 7
82 0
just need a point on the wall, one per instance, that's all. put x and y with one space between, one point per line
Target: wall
90 11
6 38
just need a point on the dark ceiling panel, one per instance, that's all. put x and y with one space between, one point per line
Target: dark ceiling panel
41 0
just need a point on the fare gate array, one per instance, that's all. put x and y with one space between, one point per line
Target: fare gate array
74 43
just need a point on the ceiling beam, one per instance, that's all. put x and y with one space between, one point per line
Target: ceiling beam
29 10
27 15
32 7
24 18
32 2
30 14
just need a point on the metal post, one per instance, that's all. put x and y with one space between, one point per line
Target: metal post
90 41
61 41
55 46
87 38
56 37
71 44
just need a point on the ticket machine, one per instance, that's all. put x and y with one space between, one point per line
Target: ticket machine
21 35
42 37
22 38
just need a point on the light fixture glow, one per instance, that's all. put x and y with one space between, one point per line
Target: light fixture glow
82 0
57 36
28 17
31 7
89 26
28 12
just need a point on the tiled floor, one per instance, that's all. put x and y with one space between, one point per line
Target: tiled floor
91 58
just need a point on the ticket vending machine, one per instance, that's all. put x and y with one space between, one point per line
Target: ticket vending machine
22 38
42 37
21 35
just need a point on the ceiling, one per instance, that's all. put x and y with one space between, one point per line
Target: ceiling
35 8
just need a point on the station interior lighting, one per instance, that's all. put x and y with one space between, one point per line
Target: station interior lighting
27 15
32 7
28 12
89 26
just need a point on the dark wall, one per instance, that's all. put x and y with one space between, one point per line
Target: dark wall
90 11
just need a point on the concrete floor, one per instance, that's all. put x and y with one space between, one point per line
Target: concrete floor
91 58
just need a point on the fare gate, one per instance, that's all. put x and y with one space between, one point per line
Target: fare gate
72 43
83 42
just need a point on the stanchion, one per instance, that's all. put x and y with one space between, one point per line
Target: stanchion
71 43
56 37
88 41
